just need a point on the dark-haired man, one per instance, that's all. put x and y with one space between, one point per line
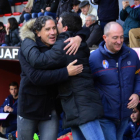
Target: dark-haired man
75 6
10 106
80 102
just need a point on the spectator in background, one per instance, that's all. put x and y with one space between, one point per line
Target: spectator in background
86 9
27 9
10 106
12 33
116 71
131 17
37 6
50 8
108 10
64 6
5 7
75 6
134 38
132 131
2 33
96 32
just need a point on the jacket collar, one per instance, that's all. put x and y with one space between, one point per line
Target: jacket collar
90 10
40 43
124 50
93 24
67 33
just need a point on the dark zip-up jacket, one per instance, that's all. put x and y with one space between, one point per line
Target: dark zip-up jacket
13 38
64 6
80 101
37 92
53 4
37 6
96 34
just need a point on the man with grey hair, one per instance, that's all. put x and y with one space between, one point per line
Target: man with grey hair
95 31
116 73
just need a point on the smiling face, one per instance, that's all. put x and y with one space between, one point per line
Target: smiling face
114 39
48 33
89 21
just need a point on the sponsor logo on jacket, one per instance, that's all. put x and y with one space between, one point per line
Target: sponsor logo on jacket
105 64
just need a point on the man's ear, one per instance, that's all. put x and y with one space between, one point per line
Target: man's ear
65 28
37 32
104 37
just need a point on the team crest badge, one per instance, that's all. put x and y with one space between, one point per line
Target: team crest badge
105 64
129 63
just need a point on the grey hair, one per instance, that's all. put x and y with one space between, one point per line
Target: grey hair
93 17
40 22
108 26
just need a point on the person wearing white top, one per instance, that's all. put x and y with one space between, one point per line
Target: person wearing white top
86 9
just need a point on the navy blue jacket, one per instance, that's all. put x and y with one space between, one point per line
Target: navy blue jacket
12 118
132 131
37 92
108 10
116 82
131 17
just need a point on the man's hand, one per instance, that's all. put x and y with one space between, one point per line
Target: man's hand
6 108
73 46
134 100
125 4
48 9
74 69
10 109
42 11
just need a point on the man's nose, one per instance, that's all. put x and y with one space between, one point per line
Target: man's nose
119 41
52 31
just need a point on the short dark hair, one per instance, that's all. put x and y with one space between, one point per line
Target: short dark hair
13 84
138 107
2 25
71 20
13 23
40 22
